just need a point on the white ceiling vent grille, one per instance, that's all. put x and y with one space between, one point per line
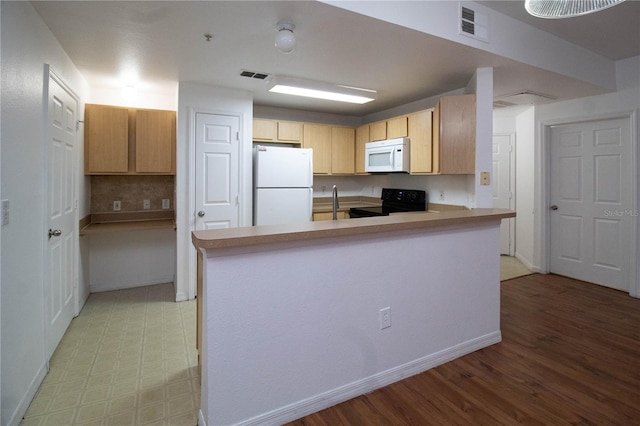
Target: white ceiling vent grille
473 24
523 97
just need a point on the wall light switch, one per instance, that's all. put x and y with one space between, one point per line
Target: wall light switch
146 204
117 206
165 203
484 178
385 318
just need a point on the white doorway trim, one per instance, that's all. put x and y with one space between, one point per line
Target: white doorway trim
512 188
187 291
543 190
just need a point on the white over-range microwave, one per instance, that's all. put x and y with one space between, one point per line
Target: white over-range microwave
388 156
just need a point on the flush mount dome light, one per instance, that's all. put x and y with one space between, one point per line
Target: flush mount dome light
285 39
319 90
557 9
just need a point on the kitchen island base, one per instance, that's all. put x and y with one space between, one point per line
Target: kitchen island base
292 326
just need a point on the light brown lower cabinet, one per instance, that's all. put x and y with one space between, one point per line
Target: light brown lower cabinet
329 216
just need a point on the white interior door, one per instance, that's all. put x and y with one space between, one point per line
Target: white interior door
217 171
590 216
60 282
503 184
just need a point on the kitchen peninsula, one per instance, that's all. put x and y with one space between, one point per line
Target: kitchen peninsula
296 318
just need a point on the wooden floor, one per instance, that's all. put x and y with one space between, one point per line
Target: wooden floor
570 355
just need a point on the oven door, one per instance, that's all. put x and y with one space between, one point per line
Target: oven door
380 159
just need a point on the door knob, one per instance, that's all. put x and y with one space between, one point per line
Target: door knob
553 207
55 233
201 213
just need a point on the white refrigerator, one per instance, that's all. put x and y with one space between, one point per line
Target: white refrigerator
283 185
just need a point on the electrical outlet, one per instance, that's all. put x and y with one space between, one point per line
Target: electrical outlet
165 203
5 212
441 195
116 206
385 318
484 178
146 204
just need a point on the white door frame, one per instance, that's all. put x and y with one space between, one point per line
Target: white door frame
512 186
543 191
188 292
50 74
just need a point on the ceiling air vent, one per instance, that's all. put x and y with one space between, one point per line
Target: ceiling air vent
523 97
251 74
473 24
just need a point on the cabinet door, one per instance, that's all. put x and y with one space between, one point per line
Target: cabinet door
457 119
106 139
155 141
289 131
318 138
362 137
397 127
419 132
264 130
342 150
378 131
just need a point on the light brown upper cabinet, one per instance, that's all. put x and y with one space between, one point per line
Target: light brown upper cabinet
392 128
129 141
106 139
318 138
155 141
420 140
362 137
454 135
333 148
342 151
397 127
377 131
276 131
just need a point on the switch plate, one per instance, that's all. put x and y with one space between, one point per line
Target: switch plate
385 318
441 195
146 204
165 203
484 178
5 212
116 206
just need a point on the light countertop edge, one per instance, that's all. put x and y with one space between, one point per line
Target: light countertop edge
257 235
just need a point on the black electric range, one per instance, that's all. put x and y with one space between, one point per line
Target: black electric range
393 201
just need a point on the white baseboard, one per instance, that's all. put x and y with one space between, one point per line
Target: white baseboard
368 384
22 407
525 262
201 421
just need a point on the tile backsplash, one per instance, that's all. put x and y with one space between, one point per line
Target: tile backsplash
131 191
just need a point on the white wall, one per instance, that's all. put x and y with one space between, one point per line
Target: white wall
194 98
518 120
525 188
27 44
299 330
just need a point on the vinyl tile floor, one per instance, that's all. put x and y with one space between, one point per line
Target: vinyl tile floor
510 268
129 358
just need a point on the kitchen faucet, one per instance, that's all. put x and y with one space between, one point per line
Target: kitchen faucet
335 202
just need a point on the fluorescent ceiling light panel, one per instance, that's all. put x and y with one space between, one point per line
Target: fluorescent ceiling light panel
320 90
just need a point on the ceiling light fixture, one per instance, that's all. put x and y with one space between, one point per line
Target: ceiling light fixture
320 90
285 39
557 9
